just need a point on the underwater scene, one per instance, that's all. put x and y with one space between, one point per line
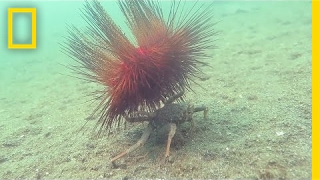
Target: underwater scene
148 89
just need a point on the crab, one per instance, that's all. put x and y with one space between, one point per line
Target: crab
171 114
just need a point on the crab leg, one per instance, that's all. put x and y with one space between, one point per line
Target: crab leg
173 128
140 142
141 116
202 108
174 97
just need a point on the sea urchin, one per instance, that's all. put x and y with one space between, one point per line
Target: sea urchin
138 75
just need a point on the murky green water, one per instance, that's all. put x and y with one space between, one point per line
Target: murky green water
258 91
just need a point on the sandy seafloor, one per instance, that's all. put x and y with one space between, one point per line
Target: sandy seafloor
258 92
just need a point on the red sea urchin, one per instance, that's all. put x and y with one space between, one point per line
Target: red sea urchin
139 75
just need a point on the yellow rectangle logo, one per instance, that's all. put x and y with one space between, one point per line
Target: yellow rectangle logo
33 28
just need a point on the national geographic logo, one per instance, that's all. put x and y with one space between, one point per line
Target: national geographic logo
12 28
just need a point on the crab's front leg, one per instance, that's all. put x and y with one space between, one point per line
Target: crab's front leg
141 142
174 97
172 131
201 108
140 116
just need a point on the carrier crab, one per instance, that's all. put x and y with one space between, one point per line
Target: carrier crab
171 114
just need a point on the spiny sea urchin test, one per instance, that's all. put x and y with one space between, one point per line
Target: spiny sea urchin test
139 75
